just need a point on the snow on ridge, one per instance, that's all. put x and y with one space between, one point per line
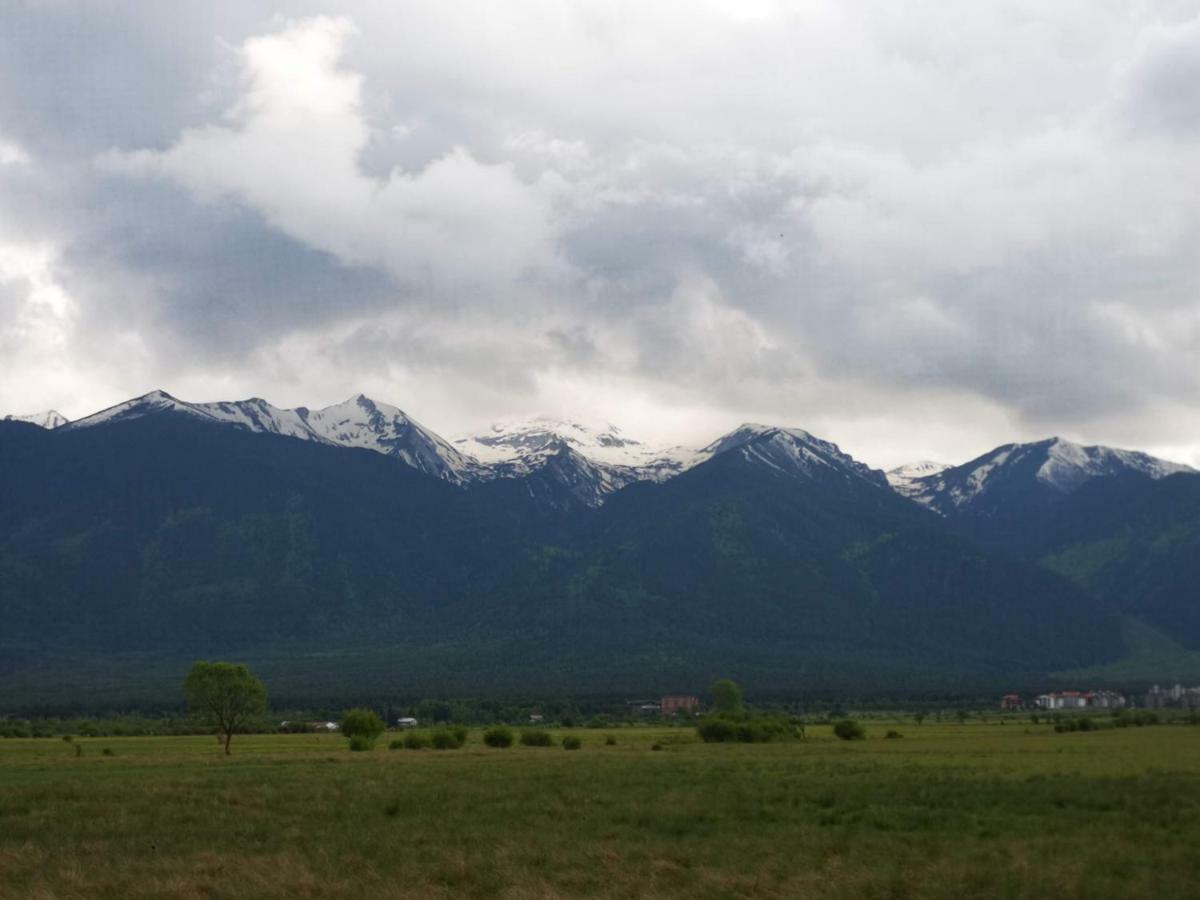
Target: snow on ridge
1068 465
906 479
1058 465
48 419
789 450
356 422
510 441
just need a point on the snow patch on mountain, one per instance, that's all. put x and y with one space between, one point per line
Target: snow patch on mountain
902 478
1056 465
1069 465
357 422
607 444
790 451
50 419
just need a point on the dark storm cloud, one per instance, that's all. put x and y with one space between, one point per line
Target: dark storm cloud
837 215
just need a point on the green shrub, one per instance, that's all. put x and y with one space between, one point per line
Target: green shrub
656 746
893 735
572 743
849 730
610 741
746 729
107 751
414 740
361 742
717 730
396 744
498 736
461 733
536 737
361 723
445 739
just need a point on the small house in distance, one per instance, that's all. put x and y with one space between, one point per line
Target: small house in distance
1010 702
679 703
406 722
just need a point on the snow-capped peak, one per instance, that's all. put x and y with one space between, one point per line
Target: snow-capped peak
357 422
50 419
514 439
790 451
919 469
902 478
1068 465
1059 466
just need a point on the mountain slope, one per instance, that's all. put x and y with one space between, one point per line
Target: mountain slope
49 419
1136 542
1000 497
828 570
128 550
357 422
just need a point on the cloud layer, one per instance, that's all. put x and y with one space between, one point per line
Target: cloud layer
919 232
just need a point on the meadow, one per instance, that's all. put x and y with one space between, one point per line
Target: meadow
948 810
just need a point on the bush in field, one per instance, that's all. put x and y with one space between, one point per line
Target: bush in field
396 744
461 733
717 730
498 736
1127 717
746 729
572 743
849 730
610 741
361 742
414 740
893 735
536 737
361 723
445 739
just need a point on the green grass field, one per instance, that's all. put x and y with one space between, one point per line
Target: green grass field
951 811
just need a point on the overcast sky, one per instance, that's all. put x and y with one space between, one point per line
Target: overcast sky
918 229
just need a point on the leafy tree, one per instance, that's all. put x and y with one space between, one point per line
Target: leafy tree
225 694
364 724
727 696
919 718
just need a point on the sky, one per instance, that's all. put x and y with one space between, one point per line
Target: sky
920 230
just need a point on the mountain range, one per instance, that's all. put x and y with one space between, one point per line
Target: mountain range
352 551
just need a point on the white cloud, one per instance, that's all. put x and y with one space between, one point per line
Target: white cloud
289 150
905 228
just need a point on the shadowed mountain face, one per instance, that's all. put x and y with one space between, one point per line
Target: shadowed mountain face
128 550
1135 542
1002 498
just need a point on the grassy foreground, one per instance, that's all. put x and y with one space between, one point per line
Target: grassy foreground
948 811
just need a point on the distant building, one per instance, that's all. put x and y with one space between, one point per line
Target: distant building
1187 698
1080 700
1010 702
679 703
535 718
406 722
